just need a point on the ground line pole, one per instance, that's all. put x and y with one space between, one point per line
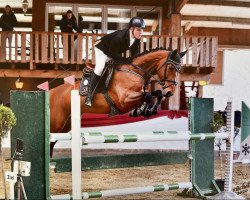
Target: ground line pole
76 145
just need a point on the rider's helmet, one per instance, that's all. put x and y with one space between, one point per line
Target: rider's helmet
137 22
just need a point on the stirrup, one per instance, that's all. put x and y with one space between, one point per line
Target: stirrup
88 100
88 103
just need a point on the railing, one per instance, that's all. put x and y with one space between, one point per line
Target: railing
63 48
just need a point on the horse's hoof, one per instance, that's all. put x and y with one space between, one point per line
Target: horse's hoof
88 104
147 114
132 114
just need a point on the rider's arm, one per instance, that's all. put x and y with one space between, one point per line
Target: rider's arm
14 20
74 25
112 52
135 48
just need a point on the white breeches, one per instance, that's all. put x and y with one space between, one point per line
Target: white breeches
100 60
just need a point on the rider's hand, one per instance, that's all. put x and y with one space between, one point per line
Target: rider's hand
124 60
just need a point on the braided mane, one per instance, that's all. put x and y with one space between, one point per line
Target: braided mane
149 51
115 62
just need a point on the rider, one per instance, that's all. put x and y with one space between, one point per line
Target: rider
112 46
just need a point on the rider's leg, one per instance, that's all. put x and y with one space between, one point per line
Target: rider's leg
100 61
91 88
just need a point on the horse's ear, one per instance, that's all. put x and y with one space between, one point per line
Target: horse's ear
174 53
183 53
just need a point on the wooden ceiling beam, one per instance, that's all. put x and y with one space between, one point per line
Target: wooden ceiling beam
23 24
179 4
188 26
220 3
19 10
194 77
235 20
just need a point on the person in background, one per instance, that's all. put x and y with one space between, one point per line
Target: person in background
68 23
80 24
112 46
7 22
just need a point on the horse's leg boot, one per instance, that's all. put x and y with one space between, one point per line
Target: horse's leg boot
91 89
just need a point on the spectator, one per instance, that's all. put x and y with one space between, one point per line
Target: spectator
67 25
8 22
80 24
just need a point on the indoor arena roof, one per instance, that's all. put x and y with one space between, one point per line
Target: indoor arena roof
215 13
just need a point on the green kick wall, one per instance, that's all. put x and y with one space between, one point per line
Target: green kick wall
202 171
32 112
245 126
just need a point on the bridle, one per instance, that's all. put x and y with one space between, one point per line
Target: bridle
175 65
151 73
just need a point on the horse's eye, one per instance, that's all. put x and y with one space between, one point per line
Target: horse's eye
171 68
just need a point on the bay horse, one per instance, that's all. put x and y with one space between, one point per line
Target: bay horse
126 89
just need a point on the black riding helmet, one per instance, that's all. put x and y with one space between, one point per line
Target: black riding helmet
137 22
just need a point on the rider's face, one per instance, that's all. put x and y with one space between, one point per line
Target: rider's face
69 15
137 32
7 9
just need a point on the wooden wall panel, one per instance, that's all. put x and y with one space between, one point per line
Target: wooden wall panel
216 77
225 36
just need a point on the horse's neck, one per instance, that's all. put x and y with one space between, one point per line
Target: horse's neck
150 60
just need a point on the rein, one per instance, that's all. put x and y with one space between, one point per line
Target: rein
148 74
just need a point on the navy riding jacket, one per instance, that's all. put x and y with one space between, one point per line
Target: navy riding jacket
116 43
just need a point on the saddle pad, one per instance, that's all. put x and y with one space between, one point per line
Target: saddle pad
103 83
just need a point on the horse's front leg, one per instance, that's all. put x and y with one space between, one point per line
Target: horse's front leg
158 95
142 110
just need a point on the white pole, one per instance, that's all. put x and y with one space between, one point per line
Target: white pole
230 179
229 148
76 144
12 190
60 136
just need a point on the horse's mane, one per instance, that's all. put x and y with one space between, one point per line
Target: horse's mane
115 62
148 51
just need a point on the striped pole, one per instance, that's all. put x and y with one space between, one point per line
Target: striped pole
92 139
229 149
137 190
67 136
168 135
60 136
128 191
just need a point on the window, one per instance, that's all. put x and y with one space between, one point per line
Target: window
90 19
118 18
152 19
54 16
104 18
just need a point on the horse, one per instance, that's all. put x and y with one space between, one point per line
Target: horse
126 90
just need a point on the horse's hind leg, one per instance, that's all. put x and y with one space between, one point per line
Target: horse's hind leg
52 144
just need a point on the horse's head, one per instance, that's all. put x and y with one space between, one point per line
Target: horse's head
163 63
167 70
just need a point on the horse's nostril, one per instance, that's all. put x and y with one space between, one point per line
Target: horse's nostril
169 94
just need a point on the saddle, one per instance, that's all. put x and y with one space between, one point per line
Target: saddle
102 86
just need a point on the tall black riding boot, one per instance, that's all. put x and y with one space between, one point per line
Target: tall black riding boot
91 88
